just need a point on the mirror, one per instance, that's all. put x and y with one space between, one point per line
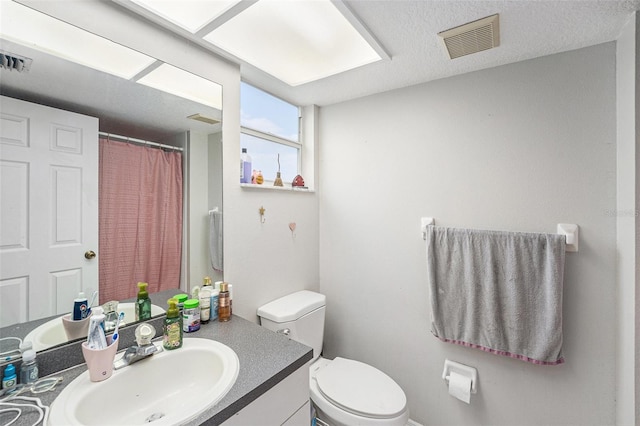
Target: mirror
136 111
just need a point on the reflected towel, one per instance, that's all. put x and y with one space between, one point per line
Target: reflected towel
215 240
498 291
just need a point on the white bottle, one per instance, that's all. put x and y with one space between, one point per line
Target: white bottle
245 167
205 304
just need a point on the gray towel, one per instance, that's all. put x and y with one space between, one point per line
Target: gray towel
215 240
498 291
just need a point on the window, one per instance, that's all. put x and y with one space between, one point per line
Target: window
270 131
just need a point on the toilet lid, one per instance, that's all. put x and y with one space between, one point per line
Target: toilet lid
360 389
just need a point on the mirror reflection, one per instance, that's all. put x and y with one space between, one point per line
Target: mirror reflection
138 125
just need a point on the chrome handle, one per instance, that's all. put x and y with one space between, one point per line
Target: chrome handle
284 331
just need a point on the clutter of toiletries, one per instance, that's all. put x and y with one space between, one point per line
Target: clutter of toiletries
28 373
28 370
209 302
185 315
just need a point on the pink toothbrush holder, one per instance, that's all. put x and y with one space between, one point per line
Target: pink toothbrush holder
75 329
100 361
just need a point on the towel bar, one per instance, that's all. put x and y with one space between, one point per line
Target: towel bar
569 230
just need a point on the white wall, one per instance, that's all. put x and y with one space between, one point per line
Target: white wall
264 261
626 212
520 147
197 223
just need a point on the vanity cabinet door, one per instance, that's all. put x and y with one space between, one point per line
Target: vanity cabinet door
287 403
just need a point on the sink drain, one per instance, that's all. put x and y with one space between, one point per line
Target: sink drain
154 417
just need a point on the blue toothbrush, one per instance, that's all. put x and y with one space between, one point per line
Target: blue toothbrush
115 333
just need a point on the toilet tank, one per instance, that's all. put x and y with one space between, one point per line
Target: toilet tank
301 313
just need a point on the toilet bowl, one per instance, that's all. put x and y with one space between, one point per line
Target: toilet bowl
344 392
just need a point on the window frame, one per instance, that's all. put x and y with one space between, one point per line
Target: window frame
270 137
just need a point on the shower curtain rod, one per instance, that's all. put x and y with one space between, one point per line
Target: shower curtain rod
139 141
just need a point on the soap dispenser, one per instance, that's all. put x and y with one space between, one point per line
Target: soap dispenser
143 303
172 328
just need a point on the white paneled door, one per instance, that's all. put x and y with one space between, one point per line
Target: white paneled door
48 209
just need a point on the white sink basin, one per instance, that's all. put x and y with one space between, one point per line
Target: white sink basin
173 386
52 333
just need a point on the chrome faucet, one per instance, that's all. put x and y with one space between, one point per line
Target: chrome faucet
142 350
111 315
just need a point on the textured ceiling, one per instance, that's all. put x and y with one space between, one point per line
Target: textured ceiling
408 31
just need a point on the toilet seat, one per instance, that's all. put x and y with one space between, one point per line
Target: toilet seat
360 389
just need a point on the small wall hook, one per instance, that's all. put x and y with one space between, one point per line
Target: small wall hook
261 210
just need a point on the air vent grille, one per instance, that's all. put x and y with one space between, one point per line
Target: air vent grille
10 61
473 37
204 119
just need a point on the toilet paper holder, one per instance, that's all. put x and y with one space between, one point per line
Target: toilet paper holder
464 370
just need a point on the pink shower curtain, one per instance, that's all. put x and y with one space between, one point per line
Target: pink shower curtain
140 219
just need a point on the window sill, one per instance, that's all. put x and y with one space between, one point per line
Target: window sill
268 186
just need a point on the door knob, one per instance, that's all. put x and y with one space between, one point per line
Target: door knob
90 254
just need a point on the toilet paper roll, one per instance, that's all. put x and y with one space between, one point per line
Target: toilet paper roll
460 386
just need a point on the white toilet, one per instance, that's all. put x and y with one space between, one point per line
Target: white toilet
344 392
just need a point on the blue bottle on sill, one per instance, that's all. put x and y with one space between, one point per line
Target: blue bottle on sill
245 167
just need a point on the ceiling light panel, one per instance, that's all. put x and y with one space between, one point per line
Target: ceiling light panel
295 41
188 14
184 84
25 26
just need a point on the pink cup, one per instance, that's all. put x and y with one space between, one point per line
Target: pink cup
75 329
100 361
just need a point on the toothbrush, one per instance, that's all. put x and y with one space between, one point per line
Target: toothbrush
93 299
115 333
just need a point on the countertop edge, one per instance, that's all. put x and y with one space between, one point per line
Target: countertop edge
266 358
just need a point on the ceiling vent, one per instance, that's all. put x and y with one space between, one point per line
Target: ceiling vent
473 37
9 61
204 119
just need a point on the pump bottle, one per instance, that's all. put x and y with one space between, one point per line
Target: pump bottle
143 303
172 328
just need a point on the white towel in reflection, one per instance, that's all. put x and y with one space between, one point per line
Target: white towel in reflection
215 240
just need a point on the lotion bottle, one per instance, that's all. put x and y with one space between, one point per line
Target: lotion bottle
224 307
143 303
172 328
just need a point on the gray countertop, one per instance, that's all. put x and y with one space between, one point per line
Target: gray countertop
265 357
